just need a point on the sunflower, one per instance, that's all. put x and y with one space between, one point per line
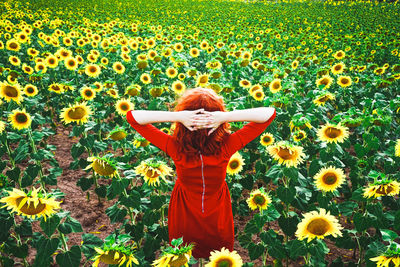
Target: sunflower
32 205
202 79
15 61
258 95
30 90
299 135
114 256
245 83
133 90
329 179
235 164
171 72
13 45
385 187
397 148
267 139
51 61
92 70
295 64
388 257
71 63
123 106
325 80
20 119
117 134
103 166
258 199
178 87
152 170
176 255
11 92
287 154
40 66
323 98
339 54
145 78
344 81
224 257
194 52
56 87
88 93
97 87
140 142
338 68
27 69
333 133
275 86
113 93
78 113
318 224
2 126
118 67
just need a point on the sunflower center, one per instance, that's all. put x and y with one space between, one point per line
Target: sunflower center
13 46
92 69
285 153
203 80
29 208
266 139
329 178
318 226
88 93
71 63
178 87
52 61
258 94
77 113
30 90
300 135
259 199
384 189
103 168
337 68
234 164
344 81
276 86
323 99
11 91
224 262
324 81
181 260
21 118
332 132
118 136
109 257
152 174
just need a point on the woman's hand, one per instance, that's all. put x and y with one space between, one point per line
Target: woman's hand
191 118
208 119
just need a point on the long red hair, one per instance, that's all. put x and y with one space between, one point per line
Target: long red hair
193 142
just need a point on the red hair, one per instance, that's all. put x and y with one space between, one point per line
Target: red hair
193 142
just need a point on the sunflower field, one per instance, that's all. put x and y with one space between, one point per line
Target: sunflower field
79 187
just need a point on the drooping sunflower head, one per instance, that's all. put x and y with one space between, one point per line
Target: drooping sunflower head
117 134
20 119
103 166
176 255
329 179
323 98
235 164
202 79
78 112
275 86
267 139
123 106
391 255
287 154
223 258
33 204
133 89
384 187
116 250
333 133
88 93
299 135
11 92
258 199
152 170
140 142
318 225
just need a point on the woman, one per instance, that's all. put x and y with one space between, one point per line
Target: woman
200 206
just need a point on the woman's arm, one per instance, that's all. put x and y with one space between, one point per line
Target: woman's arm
186 117
214 119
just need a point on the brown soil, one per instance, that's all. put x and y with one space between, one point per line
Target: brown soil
91 212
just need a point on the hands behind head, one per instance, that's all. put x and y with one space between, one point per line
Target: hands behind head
201 119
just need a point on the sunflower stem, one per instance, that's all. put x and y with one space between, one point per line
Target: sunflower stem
36 161
9 154
64 242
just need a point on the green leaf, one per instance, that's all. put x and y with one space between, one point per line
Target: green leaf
21 152
361 222
45 248
14 174
70 258
20 251
156 202
286 194
397 221
116 214
296 249
388 235
101 191
90 241
117 187
255 250
314 168
50 225
244 240
347 208
292 173
359 149
24 228
70 225
85 183
288 225
77 150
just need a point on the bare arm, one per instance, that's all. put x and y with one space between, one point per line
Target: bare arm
186 117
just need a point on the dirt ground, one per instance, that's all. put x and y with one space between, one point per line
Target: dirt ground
91 213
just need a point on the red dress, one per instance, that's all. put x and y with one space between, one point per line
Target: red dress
200 208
